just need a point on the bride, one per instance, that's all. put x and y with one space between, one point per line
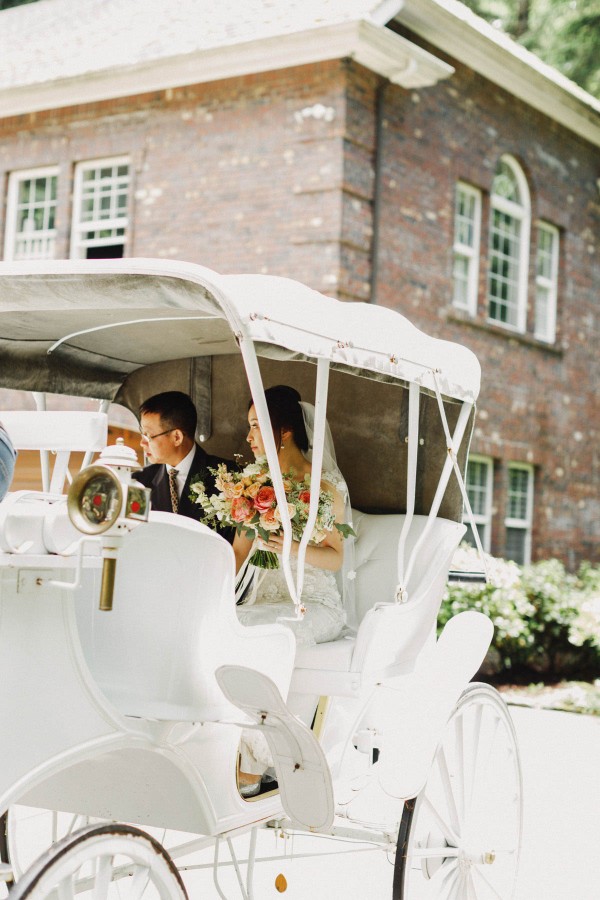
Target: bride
292 423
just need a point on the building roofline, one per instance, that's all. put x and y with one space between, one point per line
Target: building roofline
453 28
379 49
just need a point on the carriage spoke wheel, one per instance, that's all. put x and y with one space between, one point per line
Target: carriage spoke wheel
26 832
102 862
460 838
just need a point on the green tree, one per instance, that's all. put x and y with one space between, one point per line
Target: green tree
7 4
563 33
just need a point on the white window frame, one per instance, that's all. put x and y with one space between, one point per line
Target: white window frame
484 518
522 212
526 523
79 245
545 326
12 206
468 252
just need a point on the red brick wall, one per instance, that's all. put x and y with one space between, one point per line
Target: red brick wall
229 174
275 173
538 403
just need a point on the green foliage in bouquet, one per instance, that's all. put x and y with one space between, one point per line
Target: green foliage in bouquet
246 499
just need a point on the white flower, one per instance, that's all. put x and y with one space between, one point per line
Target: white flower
351 575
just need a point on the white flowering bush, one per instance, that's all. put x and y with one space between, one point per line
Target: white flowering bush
546 620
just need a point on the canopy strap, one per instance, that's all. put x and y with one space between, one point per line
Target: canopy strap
414 393
460 480
454 441
248 352
316 465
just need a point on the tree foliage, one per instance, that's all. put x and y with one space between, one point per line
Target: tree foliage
563 33
8 4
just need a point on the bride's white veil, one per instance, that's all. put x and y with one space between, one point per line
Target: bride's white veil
331 472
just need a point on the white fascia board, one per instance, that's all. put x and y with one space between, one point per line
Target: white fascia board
454 29
376 48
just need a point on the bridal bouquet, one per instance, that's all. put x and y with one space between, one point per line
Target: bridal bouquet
246 500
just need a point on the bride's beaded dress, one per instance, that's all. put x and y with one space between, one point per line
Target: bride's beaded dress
324 618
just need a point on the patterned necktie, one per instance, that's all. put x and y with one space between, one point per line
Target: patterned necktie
173 473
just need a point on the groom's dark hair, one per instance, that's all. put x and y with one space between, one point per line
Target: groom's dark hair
176 410
285 412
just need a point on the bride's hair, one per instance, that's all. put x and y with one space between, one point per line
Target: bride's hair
285 412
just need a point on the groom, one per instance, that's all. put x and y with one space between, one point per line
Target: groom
167 428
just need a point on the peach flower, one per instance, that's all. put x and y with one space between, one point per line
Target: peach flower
241 509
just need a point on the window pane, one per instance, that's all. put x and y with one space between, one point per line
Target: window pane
542 307
516 539
104 196
33 215
518 490
505 184
465 218
466 248
477 480
504 268
24 190
460 275
546 282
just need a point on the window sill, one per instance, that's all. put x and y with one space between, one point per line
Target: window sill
463 318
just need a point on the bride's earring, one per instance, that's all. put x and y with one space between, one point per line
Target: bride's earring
282 447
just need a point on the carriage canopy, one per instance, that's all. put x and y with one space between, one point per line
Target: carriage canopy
121 330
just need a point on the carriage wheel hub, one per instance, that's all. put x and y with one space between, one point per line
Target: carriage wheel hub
470 858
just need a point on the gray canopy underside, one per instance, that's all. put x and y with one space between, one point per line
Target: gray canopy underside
185 341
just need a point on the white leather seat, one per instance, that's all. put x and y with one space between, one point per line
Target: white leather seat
173 623
389 637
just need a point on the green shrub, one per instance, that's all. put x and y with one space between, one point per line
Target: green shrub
547 620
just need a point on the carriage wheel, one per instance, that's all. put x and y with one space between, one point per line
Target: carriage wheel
27 832
103 862
460 838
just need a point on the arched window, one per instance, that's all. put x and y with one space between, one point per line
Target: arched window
509 246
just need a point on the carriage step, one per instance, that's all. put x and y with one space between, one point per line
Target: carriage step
302 772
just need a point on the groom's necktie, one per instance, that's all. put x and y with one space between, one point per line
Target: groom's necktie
173 473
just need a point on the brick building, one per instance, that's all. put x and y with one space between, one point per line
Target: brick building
396 153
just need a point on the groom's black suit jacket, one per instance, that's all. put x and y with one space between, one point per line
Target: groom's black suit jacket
156 478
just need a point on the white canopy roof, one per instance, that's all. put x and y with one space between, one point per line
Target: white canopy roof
113 316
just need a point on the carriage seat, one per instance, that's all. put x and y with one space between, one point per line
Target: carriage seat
173 623
60 431
388 637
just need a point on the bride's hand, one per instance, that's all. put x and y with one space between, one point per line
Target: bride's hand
275 544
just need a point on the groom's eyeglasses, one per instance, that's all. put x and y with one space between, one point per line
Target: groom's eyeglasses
151 437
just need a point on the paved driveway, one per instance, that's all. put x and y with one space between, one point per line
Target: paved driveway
560 754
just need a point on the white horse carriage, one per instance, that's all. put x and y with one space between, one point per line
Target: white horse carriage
126 678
